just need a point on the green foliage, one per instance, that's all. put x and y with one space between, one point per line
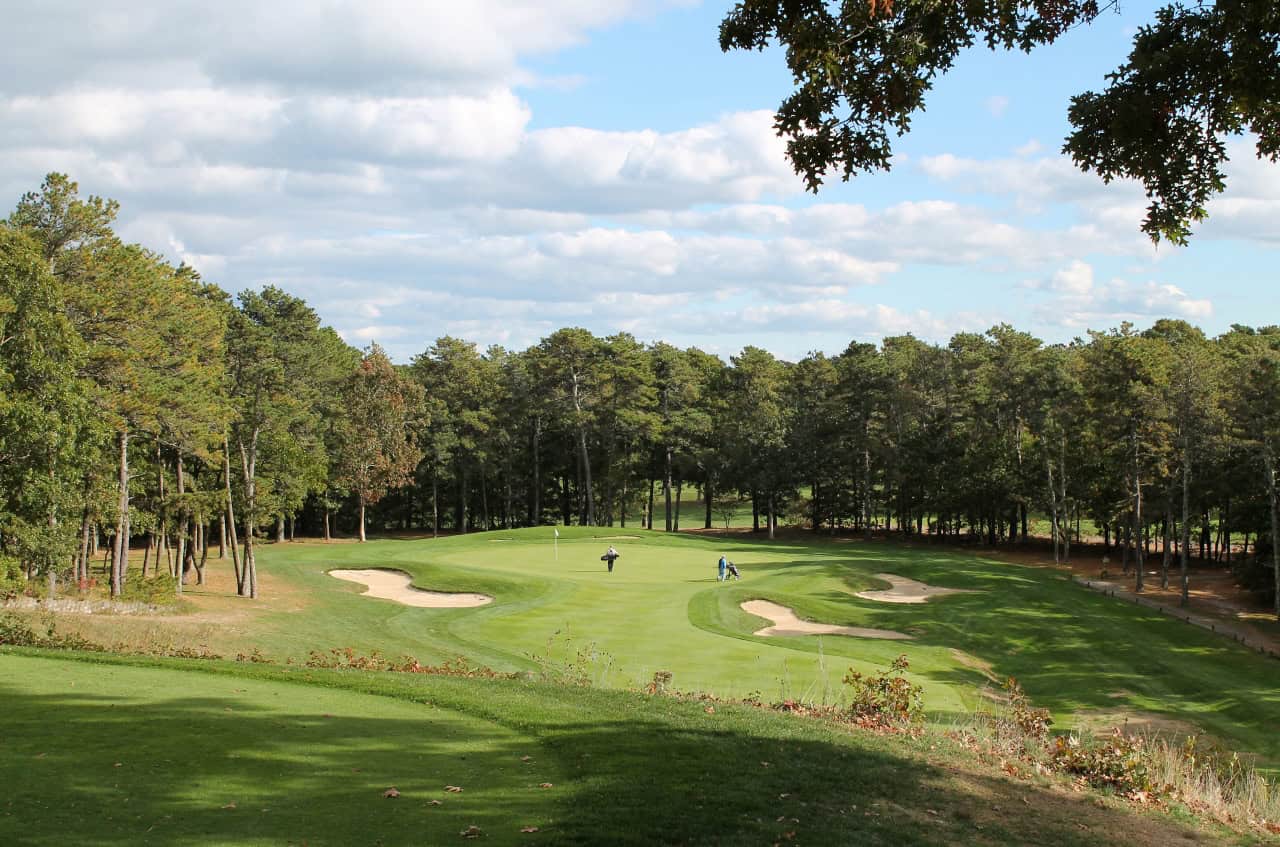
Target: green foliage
377 433
886 699
15 631
1197 75
155 589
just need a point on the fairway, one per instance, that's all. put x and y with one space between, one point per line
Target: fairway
1086 657
108 750
146 755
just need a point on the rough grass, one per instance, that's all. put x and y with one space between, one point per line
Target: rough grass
106 750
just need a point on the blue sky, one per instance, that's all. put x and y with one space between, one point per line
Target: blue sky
497 169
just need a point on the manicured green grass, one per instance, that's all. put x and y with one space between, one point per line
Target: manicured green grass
662 609
107 750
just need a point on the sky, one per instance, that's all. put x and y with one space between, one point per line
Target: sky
498 169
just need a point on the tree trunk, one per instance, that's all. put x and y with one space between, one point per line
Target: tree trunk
462 501
222 536
586 477
866 480
327 537
666 487
708 492
1053 507
1269 464
679 496
249 464
183 524
535 517
773 523
1138 525
435 504
755 510
652 485
229 517
279 529
120 564
82 564
362 538
204 550
1167 533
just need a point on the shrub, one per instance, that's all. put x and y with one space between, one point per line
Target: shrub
1118 762
12 580
158 589
15 630
887 699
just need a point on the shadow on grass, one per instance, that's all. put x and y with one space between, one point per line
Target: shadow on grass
625 769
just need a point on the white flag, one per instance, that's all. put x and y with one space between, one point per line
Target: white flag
557 532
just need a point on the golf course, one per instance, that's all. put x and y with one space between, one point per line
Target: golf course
543 725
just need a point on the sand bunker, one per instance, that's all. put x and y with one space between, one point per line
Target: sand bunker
394 585
907 590
785 622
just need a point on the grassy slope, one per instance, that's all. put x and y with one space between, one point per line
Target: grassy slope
1074 650
305 755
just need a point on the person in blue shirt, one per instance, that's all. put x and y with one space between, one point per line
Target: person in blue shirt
724 565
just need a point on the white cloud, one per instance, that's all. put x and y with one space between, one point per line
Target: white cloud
997 105
1077 301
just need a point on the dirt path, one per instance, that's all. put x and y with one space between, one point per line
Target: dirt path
905 590
395 585
785 622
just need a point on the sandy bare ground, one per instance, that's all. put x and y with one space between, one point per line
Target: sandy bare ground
785 622
905 590
394 585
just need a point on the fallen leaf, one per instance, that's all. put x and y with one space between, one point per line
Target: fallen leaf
472 831
764 764
229 806
433 803
41 755
526 758
710 710
452 789
118 764
540 785
780 796
528 829
390 792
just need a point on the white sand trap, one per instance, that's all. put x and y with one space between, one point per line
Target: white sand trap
908 590
785 622
394 585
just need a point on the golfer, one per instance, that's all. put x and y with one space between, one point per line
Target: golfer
610 556
724 565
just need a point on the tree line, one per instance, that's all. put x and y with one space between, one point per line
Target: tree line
139 403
